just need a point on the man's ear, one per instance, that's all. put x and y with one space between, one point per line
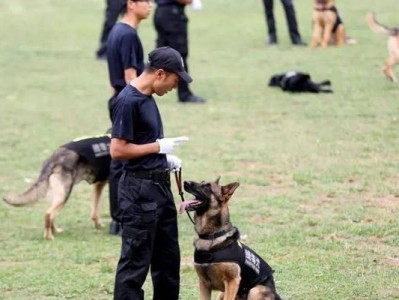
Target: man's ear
228 190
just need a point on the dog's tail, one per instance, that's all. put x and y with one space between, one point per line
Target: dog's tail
377 27
36 191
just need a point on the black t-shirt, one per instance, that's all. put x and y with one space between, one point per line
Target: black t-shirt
124 51
137 120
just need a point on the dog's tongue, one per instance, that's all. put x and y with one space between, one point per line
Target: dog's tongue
184 205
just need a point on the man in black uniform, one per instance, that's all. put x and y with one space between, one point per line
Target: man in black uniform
112 11
149 218
125 58
171 24
291 22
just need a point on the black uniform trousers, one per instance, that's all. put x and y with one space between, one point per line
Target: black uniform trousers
149 239
290 16
171 24
112 11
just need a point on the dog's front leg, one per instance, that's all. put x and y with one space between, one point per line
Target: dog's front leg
231 288
205 291
327 34
95 204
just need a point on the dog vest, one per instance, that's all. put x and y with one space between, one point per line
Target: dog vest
254 270
95 150
339 19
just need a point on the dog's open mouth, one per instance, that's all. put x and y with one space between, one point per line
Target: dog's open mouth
190 205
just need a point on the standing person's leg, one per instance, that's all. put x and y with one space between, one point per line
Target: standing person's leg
112 11
271 25
165 265
291 22
138 217
171 24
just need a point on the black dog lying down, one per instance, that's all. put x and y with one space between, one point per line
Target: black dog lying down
299 82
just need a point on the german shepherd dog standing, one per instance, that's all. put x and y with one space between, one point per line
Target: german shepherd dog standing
221 261
82 159
393 45
328 27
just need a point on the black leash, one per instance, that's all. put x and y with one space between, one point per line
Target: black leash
180 188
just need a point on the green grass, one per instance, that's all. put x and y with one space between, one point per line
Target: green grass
319 194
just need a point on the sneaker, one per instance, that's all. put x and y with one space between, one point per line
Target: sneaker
193 99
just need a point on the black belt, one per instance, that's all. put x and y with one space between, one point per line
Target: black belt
156 175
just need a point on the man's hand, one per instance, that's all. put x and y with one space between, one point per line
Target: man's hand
166 145
174 163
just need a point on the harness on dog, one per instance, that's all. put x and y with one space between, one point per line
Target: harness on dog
335 10
254 270
94 150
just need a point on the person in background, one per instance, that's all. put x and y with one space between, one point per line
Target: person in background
291 22
125 57
149 217
112 11
171 25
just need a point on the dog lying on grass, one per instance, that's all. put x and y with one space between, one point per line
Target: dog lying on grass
82 159
221 261
393 45
298 82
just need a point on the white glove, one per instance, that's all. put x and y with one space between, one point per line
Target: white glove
196 5
166 145
174 163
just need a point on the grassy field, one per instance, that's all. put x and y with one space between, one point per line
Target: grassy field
319 194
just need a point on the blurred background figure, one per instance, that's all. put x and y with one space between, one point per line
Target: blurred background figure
171 25
125 57
291 22
112 11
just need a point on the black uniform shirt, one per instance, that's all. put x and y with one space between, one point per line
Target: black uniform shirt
124 51
137 120
162 2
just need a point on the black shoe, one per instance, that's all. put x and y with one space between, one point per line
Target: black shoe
115 228
102 56
299 43
271 41
193 99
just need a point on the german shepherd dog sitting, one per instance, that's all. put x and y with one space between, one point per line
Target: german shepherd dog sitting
221 261
393 45
82 159
328 27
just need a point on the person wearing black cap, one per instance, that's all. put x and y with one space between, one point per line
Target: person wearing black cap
125 57
149 218
291 22
112 11
171 25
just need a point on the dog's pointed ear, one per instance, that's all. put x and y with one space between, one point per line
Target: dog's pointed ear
217 180
228 190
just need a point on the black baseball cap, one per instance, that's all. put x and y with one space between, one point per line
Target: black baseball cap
170 60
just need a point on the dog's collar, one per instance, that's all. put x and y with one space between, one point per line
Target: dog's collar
213 236
324 8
